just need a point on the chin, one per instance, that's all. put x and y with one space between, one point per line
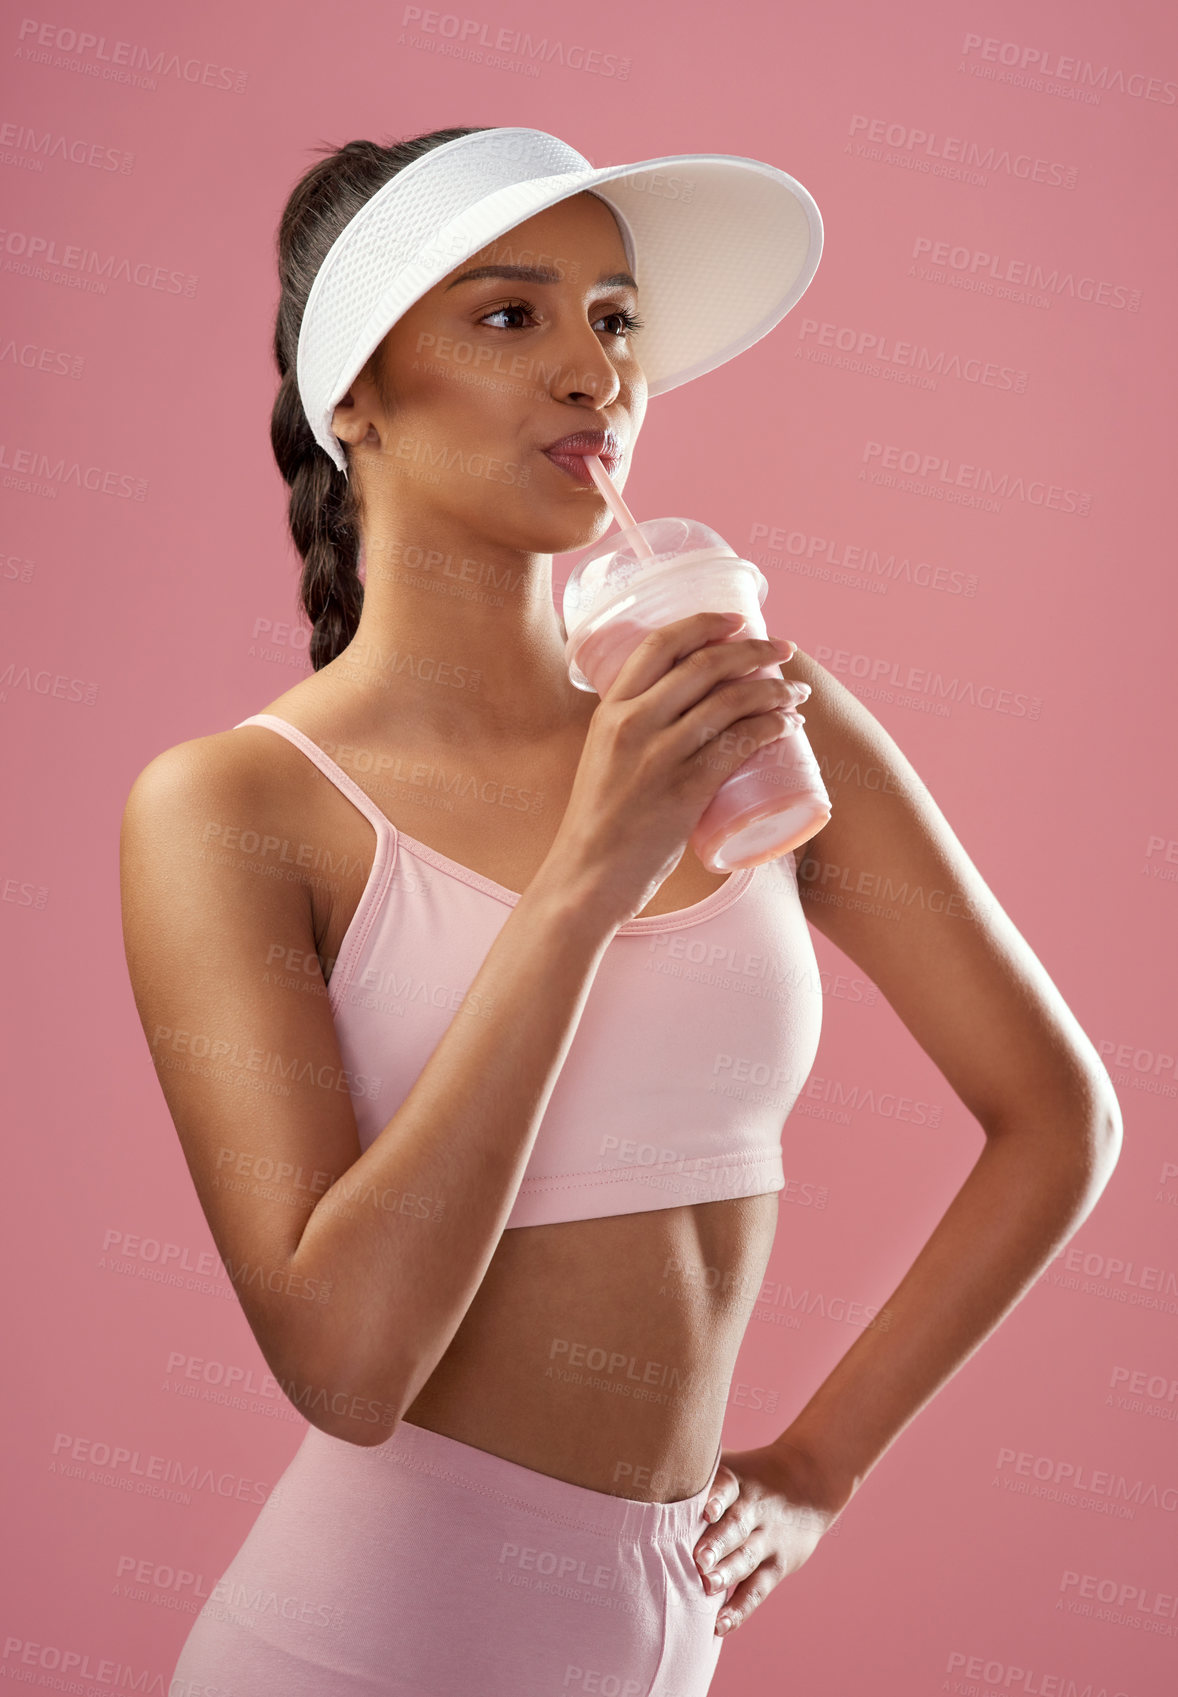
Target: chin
572 542
585 528
565 534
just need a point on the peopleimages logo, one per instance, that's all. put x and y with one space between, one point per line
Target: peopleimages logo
1018 1681
1029 273
42 145
44 682
117 61
875 669
503 48
885 1103
946 478
35 472
31 254
926 150
1076 1477
883 350
146 1473
1038 61
857 563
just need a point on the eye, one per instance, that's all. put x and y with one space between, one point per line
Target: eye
514 306
630 321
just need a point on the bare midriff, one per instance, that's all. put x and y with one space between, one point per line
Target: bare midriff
602 1351
597 1351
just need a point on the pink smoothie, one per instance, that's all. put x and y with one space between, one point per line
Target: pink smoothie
769 805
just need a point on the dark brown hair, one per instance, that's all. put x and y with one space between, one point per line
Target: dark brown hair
324 509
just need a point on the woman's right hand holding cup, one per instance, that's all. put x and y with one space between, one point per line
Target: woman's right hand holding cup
685 711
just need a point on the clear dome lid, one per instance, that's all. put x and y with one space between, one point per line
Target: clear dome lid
622 566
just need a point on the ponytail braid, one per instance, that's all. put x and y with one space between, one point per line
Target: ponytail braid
324 512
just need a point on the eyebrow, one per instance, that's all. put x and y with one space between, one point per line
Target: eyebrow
538 274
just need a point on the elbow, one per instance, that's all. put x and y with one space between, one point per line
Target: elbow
1073 1100
366 1417
365 1421
1108 1132
354 1407
1073 1136
1096 1134
1103 1122
367 1435
1099 1151
352 1373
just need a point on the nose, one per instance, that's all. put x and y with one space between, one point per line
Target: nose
585 371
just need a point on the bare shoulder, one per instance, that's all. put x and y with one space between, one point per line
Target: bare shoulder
195 855
203 794
888 881
220 949
202 771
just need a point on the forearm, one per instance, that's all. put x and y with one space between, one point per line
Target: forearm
1030 1189
462 1137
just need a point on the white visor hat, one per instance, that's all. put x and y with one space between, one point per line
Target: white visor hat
721 248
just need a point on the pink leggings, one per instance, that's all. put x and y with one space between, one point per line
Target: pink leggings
423 1567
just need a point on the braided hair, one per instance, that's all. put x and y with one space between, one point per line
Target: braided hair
324 510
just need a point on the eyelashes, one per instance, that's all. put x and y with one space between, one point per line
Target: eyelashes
631 321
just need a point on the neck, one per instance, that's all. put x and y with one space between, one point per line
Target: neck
457 646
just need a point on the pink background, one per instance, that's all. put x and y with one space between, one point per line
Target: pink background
1020 1535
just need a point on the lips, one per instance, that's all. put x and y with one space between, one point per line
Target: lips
569 453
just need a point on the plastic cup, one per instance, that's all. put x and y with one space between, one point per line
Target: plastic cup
648 575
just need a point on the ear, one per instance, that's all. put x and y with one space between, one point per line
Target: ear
345 425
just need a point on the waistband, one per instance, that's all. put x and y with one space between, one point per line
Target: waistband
540 1494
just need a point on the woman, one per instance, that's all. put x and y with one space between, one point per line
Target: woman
416 1080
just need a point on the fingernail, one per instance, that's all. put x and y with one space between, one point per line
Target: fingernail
783 646
712 1509
724 1622
706 1559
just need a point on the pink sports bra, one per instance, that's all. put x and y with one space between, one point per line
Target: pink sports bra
698 1032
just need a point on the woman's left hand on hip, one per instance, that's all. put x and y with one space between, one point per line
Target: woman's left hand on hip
768 1525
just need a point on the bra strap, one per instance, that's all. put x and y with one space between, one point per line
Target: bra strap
326 765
